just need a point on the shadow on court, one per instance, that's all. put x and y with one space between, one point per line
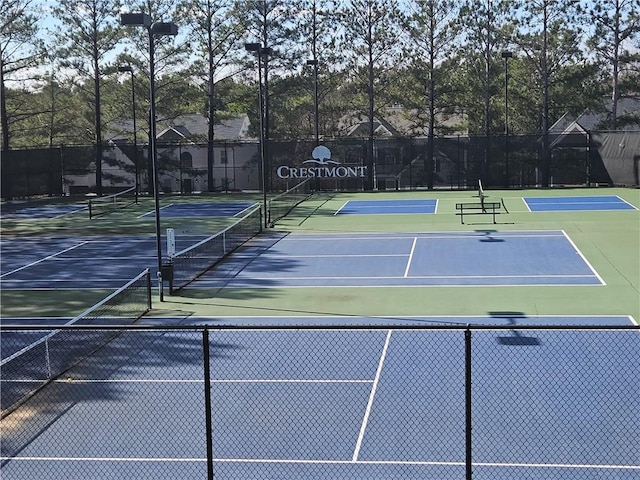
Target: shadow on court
89 382
516 338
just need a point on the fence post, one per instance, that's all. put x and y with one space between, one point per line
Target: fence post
148 288
467 389
207 401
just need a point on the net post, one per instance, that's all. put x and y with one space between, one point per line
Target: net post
468 405
90 217
267 214
148 288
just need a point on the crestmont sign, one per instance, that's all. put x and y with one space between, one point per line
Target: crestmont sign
321 166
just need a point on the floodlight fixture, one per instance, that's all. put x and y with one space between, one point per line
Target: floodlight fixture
132 19
164 28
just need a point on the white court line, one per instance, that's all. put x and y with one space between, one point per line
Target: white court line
628 203
43 259
63 281
124 257
79 209
371 396
584 259
413 249
342 207
153 211
192 381
331 255
312 237
413 277
290 381
318 462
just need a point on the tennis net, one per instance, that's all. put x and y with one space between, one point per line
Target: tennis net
110 203
280 205
32 367
190 263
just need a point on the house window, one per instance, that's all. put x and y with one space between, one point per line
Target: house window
223 156
186 161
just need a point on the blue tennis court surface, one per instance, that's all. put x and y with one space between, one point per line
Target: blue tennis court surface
555 204
41 211
487 258
481 258
381 207
210 209
81 262
369 404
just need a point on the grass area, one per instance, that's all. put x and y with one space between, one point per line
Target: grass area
609 240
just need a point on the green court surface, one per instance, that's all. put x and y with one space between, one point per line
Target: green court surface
608 240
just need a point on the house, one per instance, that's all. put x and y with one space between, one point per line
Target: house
182 153
400 145
195 128
628 119
398 121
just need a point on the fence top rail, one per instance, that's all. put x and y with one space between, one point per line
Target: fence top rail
151 328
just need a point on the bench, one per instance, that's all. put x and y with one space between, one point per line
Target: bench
478 208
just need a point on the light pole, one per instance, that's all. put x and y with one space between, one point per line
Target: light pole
156 29
506 55
129 68
261 51
316 117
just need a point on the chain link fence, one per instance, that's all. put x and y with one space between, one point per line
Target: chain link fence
411 402
592 158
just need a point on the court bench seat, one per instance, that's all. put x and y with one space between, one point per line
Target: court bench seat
478 208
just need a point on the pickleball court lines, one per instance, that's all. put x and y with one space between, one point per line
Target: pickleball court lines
577 203
423 259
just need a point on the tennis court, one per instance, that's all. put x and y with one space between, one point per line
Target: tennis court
41 211
482 258
211 209
582 203
356 403
70 263
489 258
338 348
381 207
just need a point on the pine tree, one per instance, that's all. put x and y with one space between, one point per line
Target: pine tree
432 29
87 35
214 40
20 51
549 40
370 28
617 26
